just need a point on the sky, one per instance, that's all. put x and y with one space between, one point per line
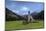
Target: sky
22 8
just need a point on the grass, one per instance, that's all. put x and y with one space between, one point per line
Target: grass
17 25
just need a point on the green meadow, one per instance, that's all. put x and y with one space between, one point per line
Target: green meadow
18 25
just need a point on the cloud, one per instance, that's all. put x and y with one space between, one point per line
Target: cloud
15 11
24 8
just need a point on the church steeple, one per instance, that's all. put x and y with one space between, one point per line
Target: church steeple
28 12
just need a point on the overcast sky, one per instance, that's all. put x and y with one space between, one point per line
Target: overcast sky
22 8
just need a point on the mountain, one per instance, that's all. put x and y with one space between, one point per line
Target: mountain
12 16
34 14
39 15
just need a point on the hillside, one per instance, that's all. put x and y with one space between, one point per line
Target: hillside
39 15
11 15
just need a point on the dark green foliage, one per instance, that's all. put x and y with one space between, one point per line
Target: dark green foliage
39 15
